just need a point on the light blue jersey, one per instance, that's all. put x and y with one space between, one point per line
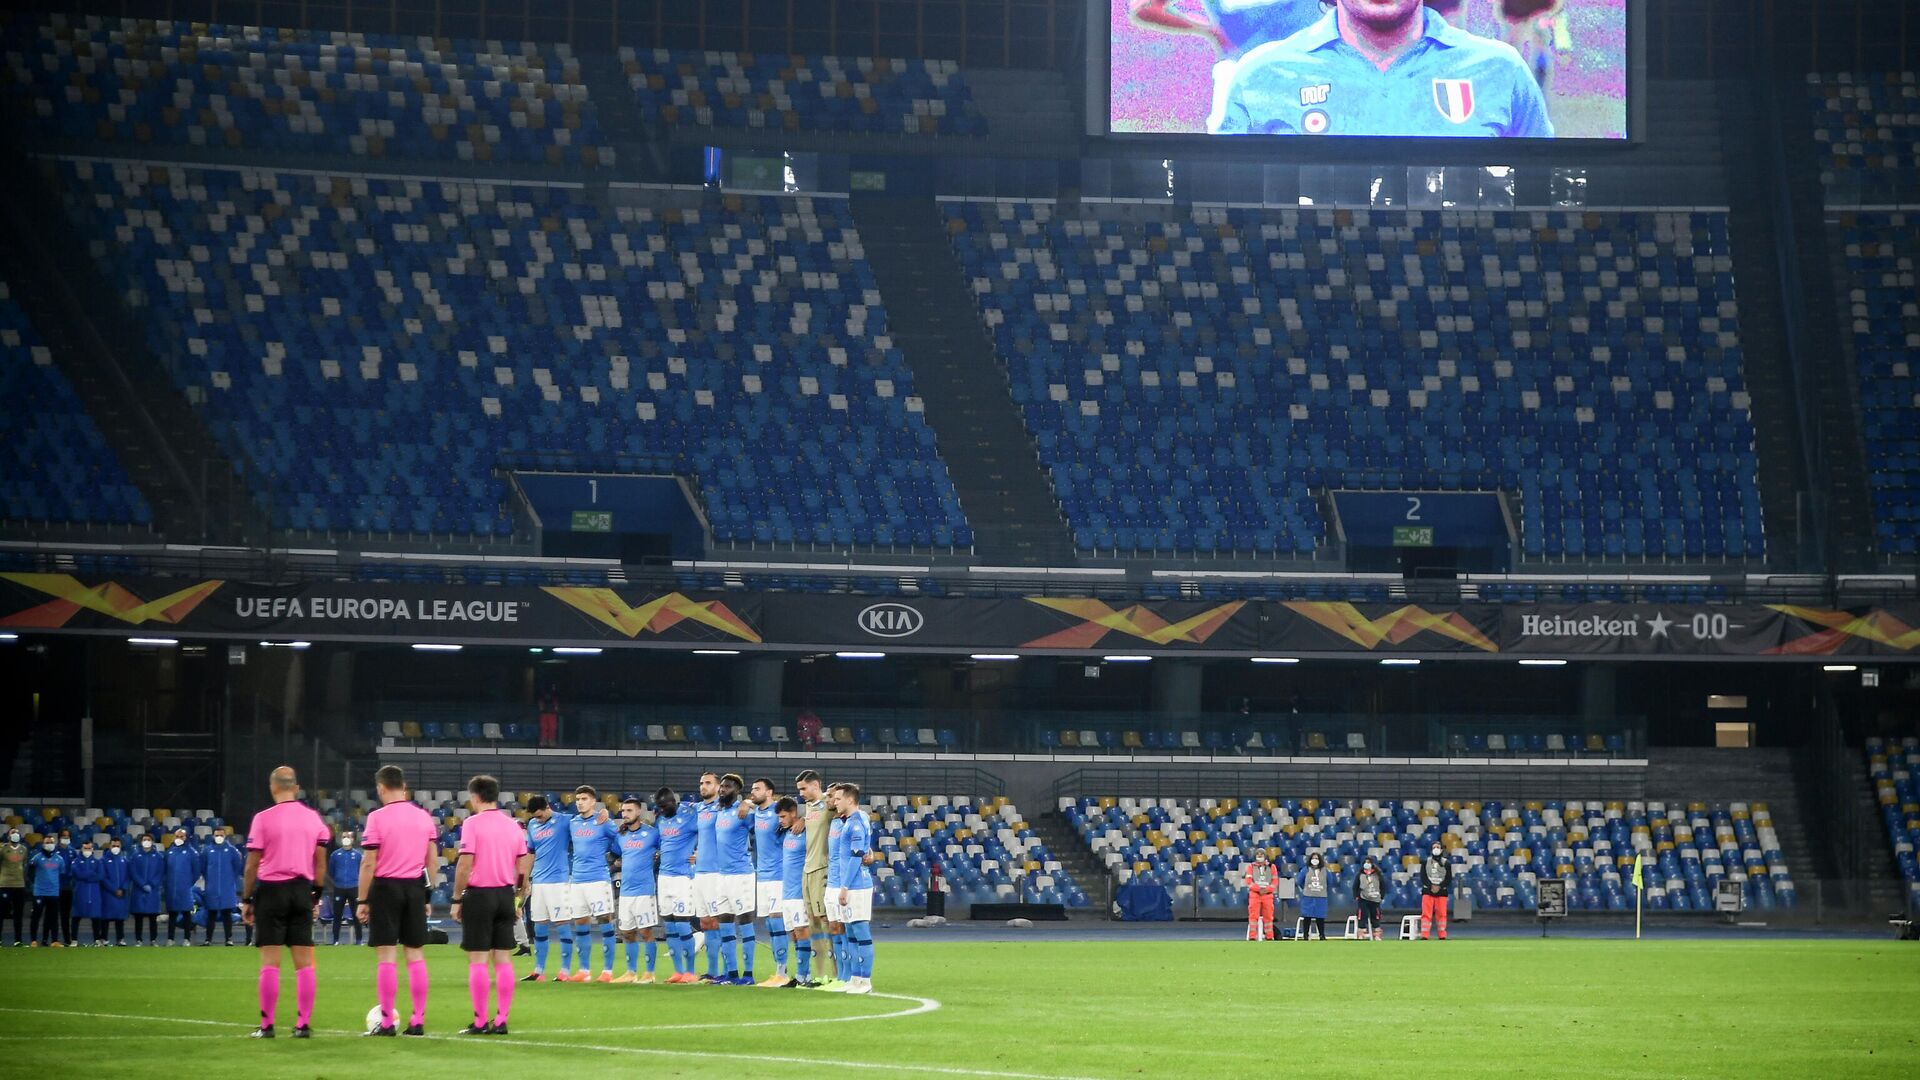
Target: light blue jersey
1449 83
707 857
593 841
552 850
638 847
856 839
677 837
793 865
733 835
767 855
836 852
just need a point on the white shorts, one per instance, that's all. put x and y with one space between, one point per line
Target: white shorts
766 899
794 914
676 896
733 895
858 908
706 895
549 903
638 912
591 899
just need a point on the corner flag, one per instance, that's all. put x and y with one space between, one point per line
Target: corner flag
1639 894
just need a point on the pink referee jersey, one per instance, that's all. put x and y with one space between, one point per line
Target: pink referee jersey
496 842
285 835
403 834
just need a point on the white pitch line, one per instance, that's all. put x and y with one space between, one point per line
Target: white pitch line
923 1005
512 1041
101 1038
122 1016
768 1059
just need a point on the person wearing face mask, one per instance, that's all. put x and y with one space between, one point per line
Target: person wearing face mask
114 904
182 870
1436 884
88 872
13 882
146 869
1262 879
1310 884
45 870
343 869
220 865
69 925
1369 889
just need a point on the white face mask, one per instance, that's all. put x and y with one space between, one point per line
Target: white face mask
146 845
179 841
113 851
346 841
219 839
64 842
46 847
13 838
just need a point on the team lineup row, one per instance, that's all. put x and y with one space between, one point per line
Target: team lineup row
800 863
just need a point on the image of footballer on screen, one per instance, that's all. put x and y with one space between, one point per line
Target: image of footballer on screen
1385 67
1173 63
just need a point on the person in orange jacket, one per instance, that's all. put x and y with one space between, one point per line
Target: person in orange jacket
1262 879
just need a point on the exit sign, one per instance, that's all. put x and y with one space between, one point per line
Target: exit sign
594 521
1413 536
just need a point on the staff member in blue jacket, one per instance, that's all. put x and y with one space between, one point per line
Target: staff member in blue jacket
343 870
146 870
113 891
221 864
69 923
88 871
182 871
45 870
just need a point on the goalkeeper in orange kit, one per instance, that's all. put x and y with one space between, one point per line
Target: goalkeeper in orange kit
1262 879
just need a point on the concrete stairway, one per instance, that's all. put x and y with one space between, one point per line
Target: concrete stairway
1007 498
1691 774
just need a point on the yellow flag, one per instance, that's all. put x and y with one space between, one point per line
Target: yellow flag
1637 880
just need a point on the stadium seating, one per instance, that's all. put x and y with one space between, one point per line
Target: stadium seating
1894 769
429 725
96 78
1879 277
55 466
801 93
986 850
1191 378
1196 847
1868 130
372 348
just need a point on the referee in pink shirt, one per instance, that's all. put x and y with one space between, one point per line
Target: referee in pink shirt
493 868
402 843
280 895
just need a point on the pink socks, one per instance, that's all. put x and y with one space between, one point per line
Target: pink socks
477 989
417 990
503 980
386 983
305 982
269 994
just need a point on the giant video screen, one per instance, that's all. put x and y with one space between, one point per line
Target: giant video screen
1523 69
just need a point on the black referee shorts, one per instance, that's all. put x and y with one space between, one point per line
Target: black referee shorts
487 918
283 912
397 913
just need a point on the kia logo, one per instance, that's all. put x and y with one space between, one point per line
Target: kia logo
891 620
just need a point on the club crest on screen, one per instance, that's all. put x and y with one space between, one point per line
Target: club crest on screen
1454 99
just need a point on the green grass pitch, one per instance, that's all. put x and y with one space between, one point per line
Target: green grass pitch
1104 1007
